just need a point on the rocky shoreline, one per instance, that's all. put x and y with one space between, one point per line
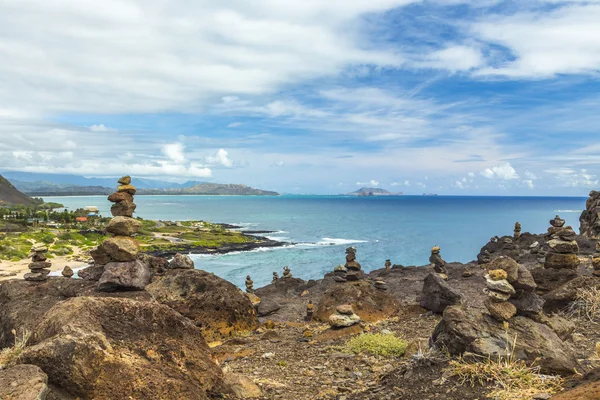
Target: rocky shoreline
165 329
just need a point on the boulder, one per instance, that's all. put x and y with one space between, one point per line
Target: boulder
157 265
132 275
560 261
100 256
371 304
527 303
120 196
181 261
590 217
468 330
267 307
550 279
502 311
123 209
437 294
109 348
123 226
242 386
525 280
91 273
561 297
23 382
563 246
507 264
121 248
343 320
218 307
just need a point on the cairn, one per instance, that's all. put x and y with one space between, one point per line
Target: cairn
499 291
380 284
388 264
590 218
310 310
275 277
344 316
517 231
352 266
596 261
339 273
287 273
438 263
39 265
563 249
249 285
67 272
119 254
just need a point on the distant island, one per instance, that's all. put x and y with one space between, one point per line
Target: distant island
373 192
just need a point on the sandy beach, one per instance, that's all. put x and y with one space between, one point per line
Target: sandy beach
16 269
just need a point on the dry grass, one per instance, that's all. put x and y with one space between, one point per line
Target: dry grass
587 304
10 355
512 379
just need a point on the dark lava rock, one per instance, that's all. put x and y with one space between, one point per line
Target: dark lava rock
23 382
527 303
132 275
562 296
550 279
561 261
437 294
109 348
157 265
525 280
181 261
91 273
218 307
468 330
590 218
267 307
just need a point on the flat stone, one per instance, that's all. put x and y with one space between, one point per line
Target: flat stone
39 248
339 279
501 311
507 264
123 209
564 247
345 309
560 261
121 248
342 321
496 296
123 226
133 275
39 257
125 180
127 189
500 285
39 265
117 197
35 277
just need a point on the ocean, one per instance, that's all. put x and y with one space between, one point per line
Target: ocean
402 228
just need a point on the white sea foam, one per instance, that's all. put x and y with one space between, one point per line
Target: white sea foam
568 211
257 250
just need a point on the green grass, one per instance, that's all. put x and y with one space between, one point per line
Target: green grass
379 344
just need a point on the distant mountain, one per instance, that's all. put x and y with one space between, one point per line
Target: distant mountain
213 189
372 192
9 195
45 181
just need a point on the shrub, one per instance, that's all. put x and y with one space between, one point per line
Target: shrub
379 344
587 303
10 355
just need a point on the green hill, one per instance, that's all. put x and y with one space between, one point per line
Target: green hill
9 195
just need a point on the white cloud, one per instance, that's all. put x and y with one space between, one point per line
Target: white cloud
503 171
471 175
370 183
574 178
530 175
100 128
221 157
175 152
234 125
528 183
453 58
459 184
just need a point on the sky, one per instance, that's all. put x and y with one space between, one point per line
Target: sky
478 97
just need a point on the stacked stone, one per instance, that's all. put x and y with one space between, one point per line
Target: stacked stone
352 266
380 284
339 273
310 310
343 317
562 246
275 277
596 261
39 265
249 285
517 231
590 218
438 263
287 273
499 291
388 264
119 254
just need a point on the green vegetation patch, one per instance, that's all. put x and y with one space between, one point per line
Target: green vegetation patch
379 344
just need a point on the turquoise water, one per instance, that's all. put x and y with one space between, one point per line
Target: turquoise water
402 229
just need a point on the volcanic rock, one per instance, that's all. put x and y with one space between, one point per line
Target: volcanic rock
217 306
343 317
550 279
128 275
561 261
561 297
123 209
267 307
590 217
123 226
181 261
437 294
120 196
100 256
527 303
562 246
91 273
130 189
507 264
121 248
138 349
525 280
501 311
67 272
23 382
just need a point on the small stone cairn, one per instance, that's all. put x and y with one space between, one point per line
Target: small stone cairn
287 273
499 291
388 264
249 285
344 317
119 254
310 310
339 273
67 272
438 263
380 284
596 261
275 277
563 249
517 231
352 266
39 265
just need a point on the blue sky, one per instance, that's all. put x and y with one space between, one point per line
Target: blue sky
444 96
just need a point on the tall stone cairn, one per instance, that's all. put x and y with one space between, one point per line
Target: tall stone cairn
352 266
596 261
590 218
438 263
562 246
517 231
39 265
122 270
